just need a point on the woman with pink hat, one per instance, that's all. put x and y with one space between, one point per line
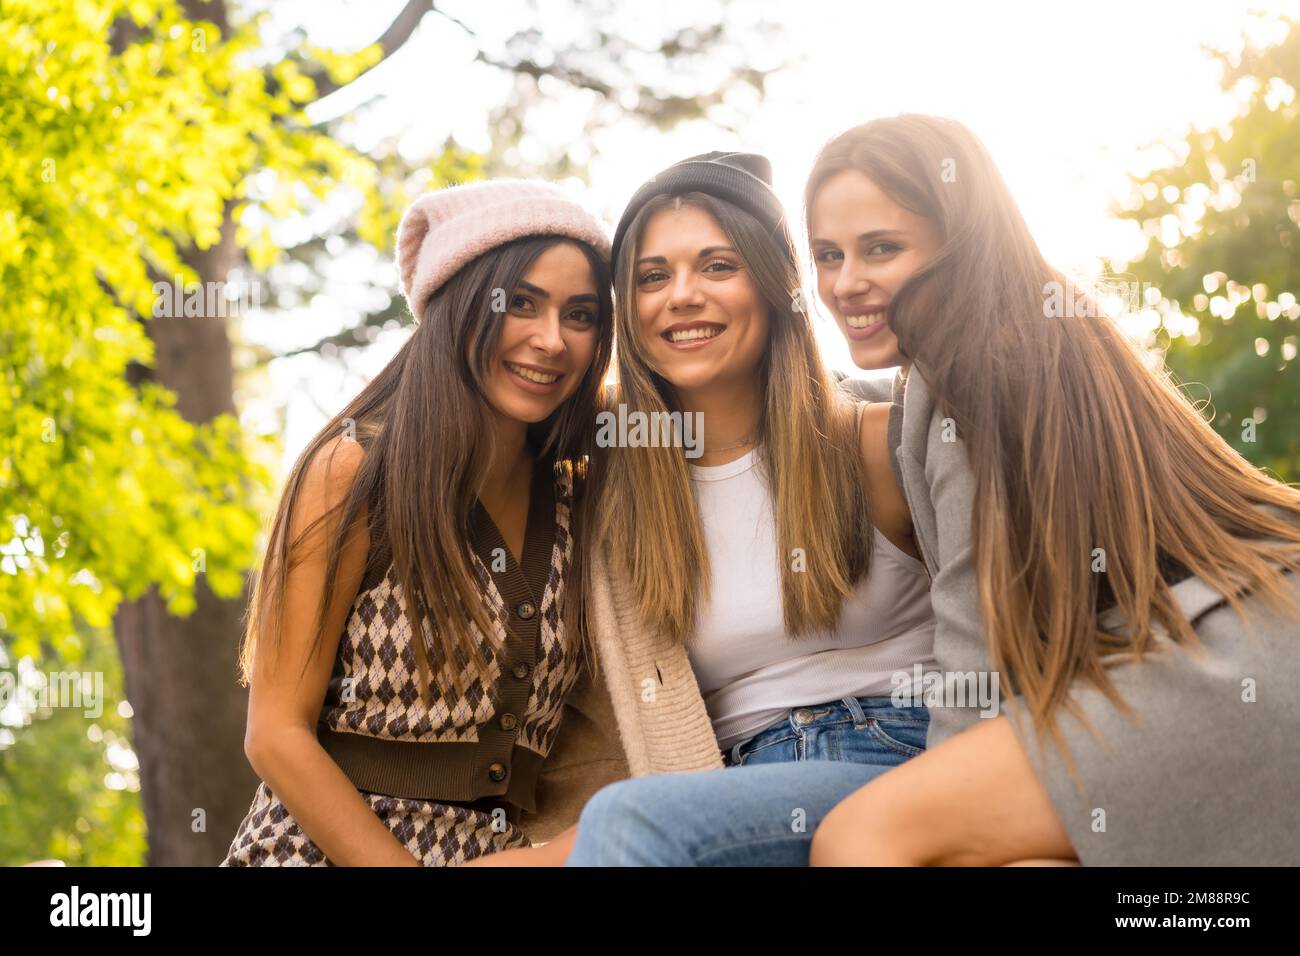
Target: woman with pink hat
414 632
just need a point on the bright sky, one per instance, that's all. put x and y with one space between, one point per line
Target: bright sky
1068 97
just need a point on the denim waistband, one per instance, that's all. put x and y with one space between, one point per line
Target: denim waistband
863 707
859 709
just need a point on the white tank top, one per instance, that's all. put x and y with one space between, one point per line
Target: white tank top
750 673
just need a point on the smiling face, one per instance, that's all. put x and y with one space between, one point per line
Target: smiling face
865 245
703 322
548 338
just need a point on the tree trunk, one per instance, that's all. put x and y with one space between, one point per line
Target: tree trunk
188 728
180 674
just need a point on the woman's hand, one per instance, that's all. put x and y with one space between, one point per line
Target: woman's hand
554 853
971 801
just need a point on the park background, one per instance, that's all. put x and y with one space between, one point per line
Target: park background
268 150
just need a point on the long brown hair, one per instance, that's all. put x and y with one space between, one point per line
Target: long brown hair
1077 440
807 434
427 431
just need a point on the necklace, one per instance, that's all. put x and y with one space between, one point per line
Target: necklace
739 444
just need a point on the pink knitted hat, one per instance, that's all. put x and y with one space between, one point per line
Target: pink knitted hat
444 230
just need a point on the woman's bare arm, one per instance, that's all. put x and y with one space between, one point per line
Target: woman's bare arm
285 703
971 801
889 511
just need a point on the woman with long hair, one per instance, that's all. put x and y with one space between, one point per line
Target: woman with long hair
1128 577
415 631
758 593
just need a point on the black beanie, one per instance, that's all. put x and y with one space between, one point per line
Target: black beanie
743 179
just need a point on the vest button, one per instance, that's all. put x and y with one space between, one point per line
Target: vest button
520 671
525 610
509 721
497 772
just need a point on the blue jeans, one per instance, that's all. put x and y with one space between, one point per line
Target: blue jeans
764 806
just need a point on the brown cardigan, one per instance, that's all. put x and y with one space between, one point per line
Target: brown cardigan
641 713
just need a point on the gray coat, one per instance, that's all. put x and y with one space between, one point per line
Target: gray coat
1209 774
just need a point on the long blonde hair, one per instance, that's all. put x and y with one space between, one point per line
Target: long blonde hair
648 515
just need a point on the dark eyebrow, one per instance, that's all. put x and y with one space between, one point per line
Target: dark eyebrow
703 254
543 294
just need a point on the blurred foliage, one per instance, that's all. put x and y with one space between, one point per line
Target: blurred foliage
1223 226
68 786
107 162
130 138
